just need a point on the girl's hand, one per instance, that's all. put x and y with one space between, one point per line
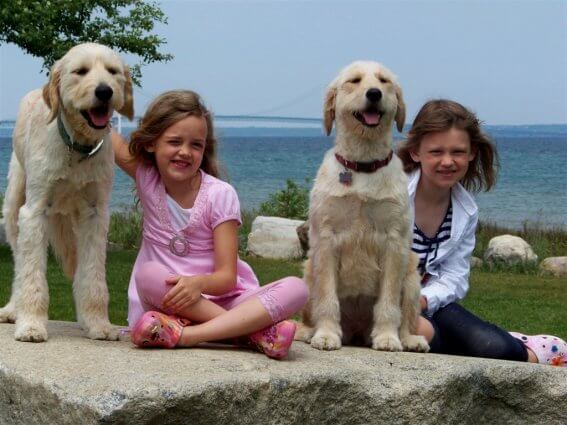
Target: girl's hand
186 292
423 303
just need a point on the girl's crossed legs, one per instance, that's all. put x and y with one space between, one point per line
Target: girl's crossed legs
235 316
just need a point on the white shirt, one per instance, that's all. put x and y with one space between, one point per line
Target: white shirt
179 216
450 269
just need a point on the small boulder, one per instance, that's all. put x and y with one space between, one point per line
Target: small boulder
509 249
275 237
476 262
3 240
113 247
557 266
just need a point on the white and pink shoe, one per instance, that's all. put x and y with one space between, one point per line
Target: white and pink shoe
548 348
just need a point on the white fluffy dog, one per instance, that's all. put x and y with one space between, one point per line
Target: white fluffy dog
364 286
59 183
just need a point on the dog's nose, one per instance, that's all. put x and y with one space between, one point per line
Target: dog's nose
374 95
103 92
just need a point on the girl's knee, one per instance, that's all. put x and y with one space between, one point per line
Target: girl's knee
150 278
425 328
298 288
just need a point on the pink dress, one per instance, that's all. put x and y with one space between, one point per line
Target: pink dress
216 203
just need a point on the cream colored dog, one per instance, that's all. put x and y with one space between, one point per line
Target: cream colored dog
364 286
59 183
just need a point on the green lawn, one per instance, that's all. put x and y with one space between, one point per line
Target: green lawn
523 302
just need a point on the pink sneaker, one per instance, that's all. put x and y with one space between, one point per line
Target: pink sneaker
274 341
548 348
155 329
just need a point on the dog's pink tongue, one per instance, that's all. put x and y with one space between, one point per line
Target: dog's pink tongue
371 118
99 118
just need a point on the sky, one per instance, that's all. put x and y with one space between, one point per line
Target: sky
504 59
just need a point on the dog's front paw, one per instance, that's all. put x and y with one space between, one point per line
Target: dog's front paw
8 314
303 333
415 343
30 331
104 331
387 342
325 340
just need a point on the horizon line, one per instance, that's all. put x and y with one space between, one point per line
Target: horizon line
279 118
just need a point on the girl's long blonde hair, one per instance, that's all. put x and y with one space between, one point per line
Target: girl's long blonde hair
442 115
163 112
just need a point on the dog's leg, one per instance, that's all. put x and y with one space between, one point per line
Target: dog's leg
30 285
305 329
387 312
89 285
410 309
325 308
13 201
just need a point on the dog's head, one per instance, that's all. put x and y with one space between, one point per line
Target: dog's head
88 84
366 98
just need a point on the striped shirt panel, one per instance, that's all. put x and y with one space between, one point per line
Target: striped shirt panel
426 248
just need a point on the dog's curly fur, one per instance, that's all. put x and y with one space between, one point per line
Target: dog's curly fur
52 197
364 286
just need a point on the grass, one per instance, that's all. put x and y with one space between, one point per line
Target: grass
514 301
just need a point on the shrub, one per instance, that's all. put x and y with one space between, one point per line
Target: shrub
291 202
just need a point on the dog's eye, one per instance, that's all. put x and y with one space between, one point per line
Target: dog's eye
355 80
81 71
112 71
384 80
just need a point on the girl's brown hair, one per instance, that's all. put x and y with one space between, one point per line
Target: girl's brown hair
442 115
163 112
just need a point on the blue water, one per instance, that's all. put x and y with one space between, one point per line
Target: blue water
531 184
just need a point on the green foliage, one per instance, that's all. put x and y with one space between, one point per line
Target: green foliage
48 28
126 228
291 202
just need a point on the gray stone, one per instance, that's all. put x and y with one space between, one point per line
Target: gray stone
3 240
275 237
113 247
509 249
73 380
476 262
557 266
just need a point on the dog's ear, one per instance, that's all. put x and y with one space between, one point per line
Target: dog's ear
329 108
128 108
401 110
51 91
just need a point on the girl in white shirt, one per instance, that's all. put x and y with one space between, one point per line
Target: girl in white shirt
447 154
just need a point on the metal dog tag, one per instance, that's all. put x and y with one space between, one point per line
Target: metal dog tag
345 178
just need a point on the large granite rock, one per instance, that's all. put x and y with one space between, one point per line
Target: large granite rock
557 266
73 380
509 249
275 237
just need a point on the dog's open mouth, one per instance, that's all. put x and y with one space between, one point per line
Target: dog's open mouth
370 117
98 117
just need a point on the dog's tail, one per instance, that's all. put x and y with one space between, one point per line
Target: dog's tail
14 198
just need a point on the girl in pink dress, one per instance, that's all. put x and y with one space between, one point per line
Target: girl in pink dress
188 268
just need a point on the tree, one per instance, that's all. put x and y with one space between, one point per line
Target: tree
48 28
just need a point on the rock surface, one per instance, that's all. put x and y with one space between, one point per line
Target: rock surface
557 266
509 249
73 380
476 262
3 240
275 237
